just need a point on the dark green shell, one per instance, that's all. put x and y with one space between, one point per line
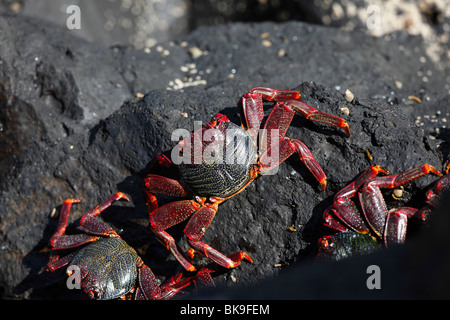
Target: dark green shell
108 264
346 244
228 175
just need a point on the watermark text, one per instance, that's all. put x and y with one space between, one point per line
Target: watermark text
74 20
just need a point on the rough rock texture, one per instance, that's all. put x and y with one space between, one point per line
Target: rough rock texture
81 120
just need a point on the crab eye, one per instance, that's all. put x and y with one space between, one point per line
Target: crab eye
217 117
93 294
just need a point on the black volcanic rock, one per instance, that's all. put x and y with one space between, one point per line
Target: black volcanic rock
257 220
80 120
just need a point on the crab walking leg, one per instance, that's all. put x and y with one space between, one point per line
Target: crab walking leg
149 288
307 158
148 285
56 262
167 216
269 94
161 185
345 210
276 125
203 279
164 217
434 196
371 199
196 228
175 284
396 225
350 190
285 148
252 111
61 241
64 217
90 223
313 114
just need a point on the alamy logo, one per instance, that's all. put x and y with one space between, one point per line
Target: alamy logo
74 20
374 17
374 280
74 279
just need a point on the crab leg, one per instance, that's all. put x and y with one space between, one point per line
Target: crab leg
90 223
285 149
371 199
56 262
162 218
434 195
313 114
203 279
61 241
277 123
64 217
148 285
167 216
307 158
252 105
149 288
269 94
345 209
252 111
173 213
161 185
195 230
396 225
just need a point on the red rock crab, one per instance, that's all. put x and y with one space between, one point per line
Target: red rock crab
376 222
109 268
207 181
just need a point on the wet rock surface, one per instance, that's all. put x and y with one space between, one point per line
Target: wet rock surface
82 120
